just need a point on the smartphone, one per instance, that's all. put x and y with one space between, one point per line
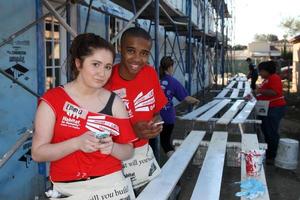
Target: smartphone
159 123
100 135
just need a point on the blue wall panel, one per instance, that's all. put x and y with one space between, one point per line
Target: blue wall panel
17 107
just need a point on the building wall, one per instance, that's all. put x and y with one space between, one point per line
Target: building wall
19 177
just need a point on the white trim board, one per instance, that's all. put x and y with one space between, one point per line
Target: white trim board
192 115
244 113
228 116
209 181
213 111
162 186
222 94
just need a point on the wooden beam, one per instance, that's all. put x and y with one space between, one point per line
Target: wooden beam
161 187
247 89
213 111
228 116
235 94
245 112
231 84
209 181
222 94
240 85
192 115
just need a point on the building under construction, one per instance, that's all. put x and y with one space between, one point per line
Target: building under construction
35 38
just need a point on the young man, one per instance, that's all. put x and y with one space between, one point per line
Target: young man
253 73
138 85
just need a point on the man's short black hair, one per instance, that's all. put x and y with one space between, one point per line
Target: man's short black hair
248 60
136 32
269 66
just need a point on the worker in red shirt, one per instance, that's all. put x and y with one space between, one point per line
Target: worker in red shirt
271 91
84 129
138 85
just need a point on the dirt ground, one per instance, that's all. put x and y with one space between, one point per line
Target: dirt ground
282 184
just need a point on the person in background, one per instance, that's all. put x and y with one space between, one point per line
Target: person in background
271 90
84 129
172 88
137 84
252 74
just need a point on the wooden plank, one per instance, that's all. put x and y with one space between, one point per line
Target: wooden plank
247 89
161 187
228 116
222 94
214 110
241 78
192 115
249 142
235 94
205 143
244 113
240 85
231 84
209 181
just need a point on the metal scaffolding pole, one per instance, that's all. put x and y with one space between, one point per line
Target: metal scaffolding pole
21 31
14 80
216 71
40 54
165 42
88 16
156 148
203 45
131 21
188 75
59 18
223 41
170 18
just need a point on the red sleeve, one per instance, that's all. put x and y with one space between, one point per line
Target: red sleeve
50 98
127 134
160 98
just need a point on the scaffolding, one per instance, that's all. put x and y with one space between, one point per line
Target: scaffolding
203 47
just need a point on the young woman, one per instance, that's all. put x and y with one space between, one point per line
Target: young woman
172 88
68 119
271 90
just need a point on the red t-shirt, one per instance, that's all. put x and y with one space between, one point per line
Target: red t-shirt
72 121
142 96
274 83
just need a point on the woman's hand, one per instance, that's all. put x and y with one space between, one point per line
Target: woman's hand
106 145
88 142
192 100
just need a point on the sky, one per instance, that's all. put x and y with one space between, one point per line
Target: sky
262 17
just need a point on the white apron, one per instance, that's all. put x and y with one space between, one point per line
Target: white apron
262 106
142 167
110 187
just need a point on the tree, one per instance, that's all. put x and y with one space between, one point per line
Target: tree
239 47
272 37
292 25
265 38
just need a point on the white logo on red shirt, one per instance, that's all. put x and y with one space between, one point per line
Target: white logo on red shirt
145 102
122 94
73 113
99 124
